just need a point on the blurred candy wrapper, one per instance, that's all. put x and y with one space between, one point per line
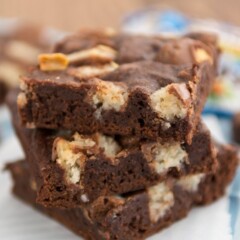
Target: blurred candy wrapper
225 97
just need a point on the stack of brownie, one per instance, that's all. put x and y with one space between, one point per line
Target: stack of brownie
111 127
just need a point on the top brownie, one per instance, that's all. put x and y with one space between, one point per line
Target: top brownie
121 84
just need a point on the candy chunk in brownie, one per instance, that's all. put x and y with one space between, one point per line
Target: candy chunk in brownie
146 98
135 215
68 164
236 127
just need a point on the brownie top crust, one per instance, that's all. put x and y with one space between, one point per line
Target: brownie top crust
148 75
113 65
132 48
93 54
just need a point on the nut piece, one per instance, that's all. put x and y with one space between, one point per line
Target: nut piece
100 53
52 62
161 199
190 183
86 72
201 55
109 96
172 101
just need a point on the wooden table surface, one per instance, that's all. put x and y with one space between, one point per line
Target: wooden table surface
73 14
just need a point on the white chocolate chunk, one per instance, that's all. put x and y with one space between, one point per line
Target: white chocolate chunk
99 53
167 156
86 72
109 145
161 199
109 96
71 155
21 100
84 198
82 142
190 183
165 125
68 159
171 101
202 55
22 85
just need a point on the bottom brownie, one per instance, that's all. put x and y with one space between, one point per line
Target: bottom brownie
135 215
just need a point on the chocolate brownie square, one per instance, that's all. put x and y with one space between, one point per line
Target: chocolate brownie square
135 215
120 84
73 169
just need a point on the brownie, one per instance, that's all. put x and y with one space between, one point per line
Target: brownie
19 48
120 84
72 169
135 215
236 127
